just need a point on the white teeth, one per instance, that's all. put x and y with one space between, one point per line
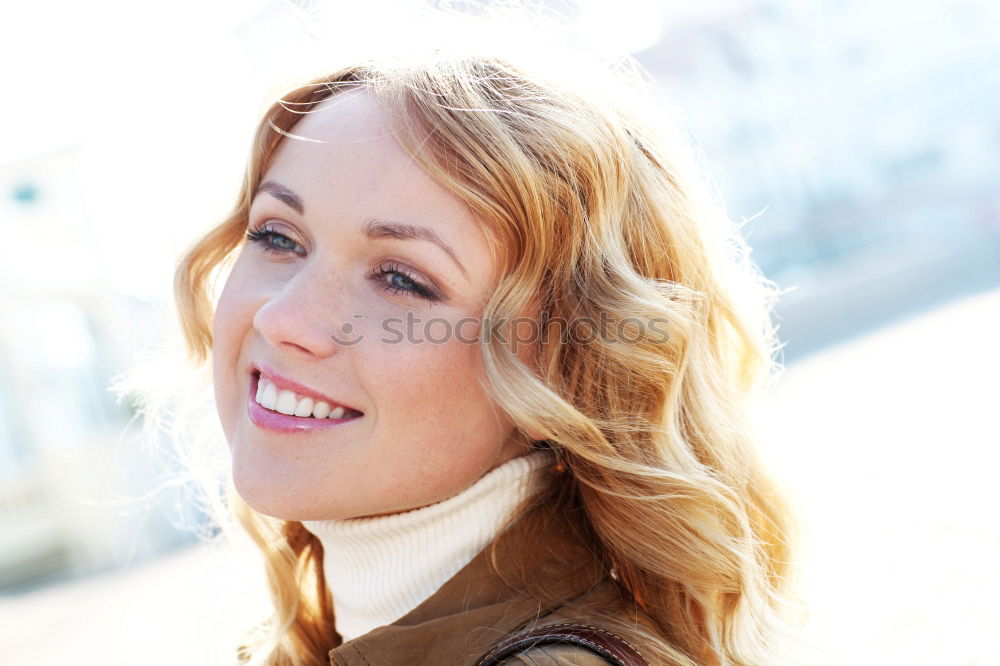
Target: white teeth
286 402
305 407
269 398
289 402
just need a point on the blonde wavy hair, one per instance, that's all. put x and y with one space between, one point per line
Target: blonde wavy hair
594 210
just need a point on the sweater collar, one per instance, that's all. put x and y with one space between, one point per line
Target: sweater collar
380 568
533 567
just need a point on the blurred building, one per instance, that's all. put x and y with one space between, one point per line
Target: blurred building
861 140
70 472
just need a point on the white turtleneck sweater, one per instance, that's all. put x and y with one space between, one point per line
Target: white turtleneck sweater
381 568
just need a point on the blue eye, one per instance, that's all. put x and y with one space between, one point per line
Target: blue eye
389 277
273 241
399 281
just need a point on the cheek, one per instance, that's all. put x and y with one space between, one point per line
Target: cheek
236 306
433 386
442 429
232 319
225 323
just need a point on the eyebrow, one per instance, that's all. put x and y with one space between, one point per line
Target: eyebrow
373 228
282 194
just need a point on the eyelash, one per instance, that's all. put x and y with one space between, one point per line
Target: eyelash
263 236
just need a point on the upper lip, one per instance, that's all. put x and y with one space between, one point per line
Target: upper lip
283 382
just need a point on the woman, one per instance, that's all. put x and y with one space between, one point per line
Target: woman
482 362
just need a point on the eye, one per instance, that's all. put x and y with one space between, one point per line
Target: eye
391 277
273 241
394 278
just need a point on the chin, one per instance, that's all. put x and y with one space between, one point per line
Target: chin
272 499
263 494
276 508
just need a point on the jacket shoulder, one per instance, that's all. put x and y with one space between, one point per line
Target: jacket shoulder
557 655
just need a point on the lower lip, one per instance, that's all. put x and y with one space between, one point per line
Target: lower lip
278 422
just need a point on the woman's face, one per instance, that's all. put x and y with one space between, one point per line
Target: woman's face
363 290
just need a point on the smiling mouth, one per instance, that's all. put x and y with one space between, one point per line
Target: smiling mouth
292 404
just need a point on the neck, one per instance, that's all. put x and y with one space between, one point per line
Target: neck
379 568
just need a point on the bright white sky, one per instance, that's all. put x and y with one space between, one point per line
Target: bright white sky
162 99
67 63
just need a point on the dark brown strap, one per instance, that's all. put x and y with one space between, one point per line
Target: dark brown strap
613 648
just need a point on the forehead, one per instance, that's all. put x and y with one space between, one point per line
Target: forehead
349 117
346 134
343 159
345 152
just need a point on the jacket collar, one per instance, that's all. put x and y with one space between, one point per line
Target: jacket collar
539 562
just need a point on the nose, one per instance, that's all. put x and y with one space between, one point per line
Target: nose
299 319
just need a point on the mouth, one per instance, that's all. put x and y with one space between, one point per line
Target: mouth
282 409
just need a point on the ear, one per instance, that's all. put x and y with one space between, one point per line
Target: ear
534 436
528 438
526 344
528 331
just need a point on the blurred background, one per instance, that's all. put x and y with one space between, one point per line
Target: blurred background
858 140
